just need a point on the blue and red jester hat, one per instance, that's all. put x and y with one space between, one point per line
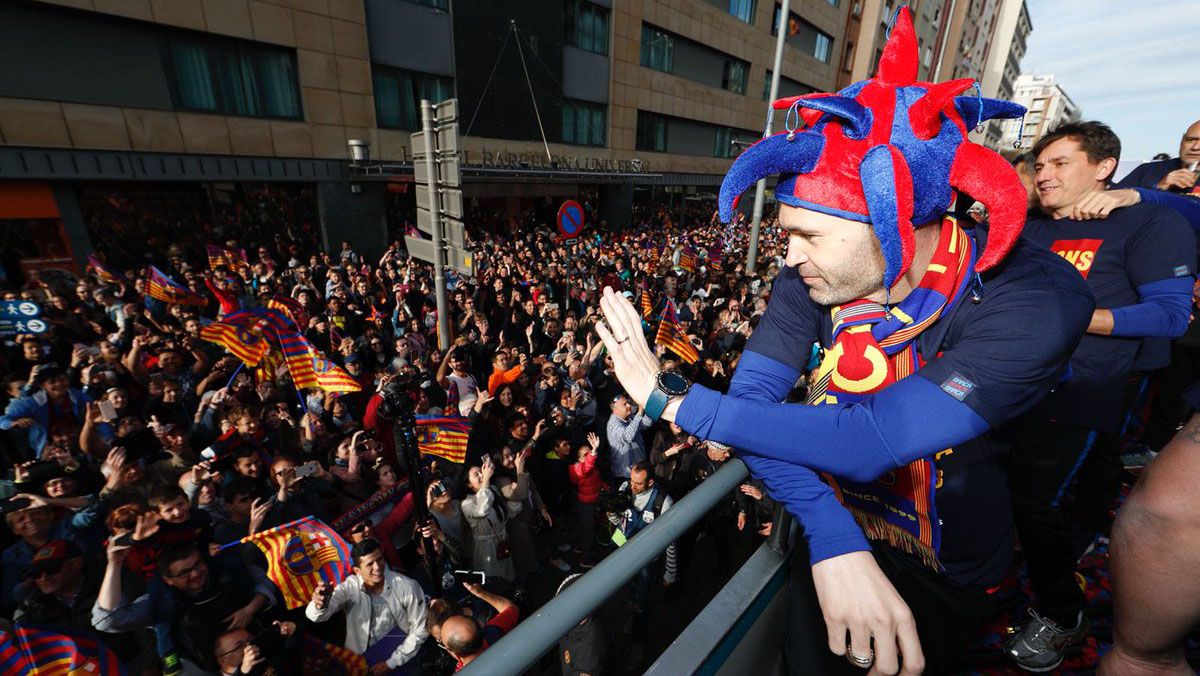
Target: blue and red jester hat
889 151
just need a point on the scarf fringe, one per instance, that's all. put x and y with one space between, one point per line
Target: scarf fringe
877 528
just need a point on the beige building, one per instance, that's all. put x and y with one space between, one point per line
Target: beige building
557 98
979 39
1047 106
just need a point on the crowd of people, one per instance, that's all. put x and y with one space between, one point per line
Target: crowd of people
137 448
144 453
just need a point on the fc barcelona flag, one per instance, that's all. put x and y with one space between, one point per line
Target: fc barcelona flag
444 437
247 343
671 335
319 657
43 651
687 259
102 271
161 287
310 369
301 555
290 308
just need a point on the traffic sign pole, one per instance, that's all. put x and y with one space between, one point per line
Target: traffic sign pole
435 209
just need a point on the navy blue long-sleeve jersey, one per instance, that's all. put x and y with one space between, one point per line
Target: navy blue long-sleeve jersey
988 362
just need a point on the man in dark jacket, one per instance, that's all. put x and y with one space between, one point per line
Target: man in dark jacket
1174 175
65 587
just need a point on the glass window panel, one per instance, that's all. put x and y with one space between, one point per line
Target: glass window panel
278 76
193 77
568 123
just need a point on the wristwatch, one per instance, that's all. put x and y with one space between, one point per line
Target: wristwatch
667 384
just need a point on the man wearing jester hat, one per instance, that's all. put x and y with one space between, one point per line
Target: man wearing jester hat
932 336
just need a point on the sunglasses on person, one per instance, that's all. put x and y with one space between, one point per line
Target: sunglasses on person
53 568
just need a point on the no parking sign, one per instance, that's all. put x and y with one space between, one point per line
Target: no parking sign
570 219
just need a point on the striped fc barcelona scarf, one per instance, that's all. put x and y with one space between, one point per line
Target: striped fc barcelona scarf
872 348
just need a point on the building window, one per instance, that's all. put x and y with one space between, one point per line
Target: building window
736 73
398 95
584 123
742 9
724 146
787 87
651 131
848 58
587 26
822 47
234 78
805 36
658 47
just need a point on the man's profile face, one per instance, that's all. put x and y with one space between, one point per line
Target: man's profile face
839 259
1064 174
1189 146
1025 172
639 481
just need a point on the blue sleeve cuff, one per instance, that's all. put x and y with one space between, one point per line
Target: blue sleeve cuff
1187 207
1163 311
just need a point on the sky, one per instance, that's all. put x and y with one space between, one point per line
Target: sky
1132 64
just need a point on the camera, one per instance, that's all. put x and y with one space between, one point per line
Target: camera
614 502
438 490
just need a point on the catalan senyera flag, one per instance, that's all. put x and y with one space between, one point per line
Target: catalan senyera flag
105 273
161 287
445 437
647 304
687 259
247 344
319 657
29 650
223 256
301 555
671 335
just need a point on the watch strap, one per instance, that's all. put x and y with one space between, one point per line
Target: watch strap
656 404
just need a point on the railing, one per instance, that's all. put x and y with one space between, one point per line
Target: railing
541 631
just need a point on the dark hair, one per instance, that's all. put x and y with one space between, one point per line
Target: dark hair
174 552
440 610
161 495
641 466
1026 158
47 373
361 549
1097 139
237 488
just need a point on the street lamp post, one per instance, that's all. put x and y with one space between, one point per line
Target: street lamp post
761 189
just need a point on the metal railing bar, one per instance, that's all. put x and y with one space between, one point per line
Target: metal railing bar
535 635
723 617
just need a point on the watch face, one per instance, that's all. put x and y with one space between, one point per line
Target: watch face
673 383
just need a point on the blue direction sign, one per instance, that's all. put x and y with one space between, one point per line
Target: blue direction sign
19 309
20 316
